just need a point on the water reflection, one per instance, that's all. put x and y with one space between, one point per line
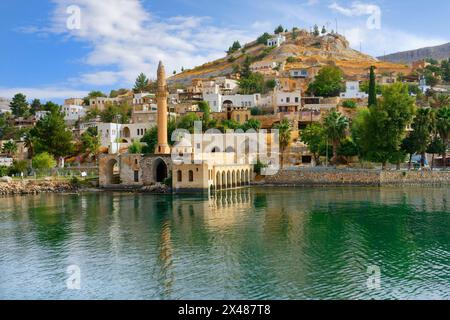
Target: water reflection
236 244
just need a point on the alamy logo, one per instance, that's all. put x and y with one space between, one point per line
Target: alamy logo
374 279
73 282
74 20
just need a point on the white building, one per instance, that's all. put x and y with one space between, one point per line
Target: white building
352 91
217 101
276 41
41 115
423 85
6 161
299 73
287 101
119 136
73 113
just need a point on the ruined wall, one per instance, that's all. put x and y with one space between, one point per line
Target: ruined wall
148 170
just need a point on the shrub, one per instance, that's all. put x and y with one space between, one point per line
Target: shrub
350 104
43 161
4 171
258 167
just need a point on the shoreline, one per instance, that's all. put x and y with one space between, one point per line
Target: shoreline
287 178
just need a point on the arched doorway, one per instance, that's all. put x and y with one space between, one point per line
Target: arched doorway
112 172
160 170
126 132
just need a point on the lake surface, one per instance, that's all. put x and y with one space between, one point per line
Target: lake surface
259 243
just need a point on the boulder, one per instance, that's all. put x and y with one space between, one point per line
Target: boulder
6 179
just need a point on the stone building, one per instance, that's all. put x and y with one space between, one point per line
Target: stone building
216 168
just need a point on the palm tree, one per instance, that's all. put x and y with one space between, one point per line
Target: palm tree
443 128
29 145
285 131
10 148
439 101
335 126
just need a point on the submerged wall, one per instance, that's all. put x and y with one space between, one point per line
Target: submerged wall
346 177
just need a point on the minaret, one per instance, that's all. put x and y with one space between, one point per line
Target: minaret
161 97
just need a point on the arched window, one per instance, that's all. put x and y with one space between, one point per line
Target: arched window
191 176
179 176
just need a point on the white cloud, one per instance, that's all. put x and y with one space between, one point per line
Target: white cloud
386 40
356 9
127 38
44 93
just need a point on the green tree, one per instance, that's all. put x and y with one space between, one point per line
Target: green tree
409 147
236 46
113 112
151 140
35 106
285 132
314 137
19 105
279 29
52 135
43 161
206 109
384 126
372 88
443 128
188 121
335 125
116 93
328 82
423 126
263 38
436 146
90 142
19 166
316 31
93 95
10 148
348 148
324 30
51 107
135 147
251 124
252 84
439 101
140 83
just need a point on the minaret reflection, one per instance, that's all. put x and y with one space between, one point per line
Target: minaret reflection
166 274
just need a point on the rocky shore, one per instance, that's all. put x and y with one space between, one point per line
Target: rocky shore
25 187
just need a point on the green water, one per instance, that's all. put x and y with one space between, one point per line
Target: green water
261 243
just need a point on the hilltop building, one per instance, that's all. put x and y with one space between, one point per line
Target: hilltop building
276 41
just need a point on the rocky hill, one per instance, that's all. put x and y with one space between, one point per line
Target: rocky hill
438 53
306 49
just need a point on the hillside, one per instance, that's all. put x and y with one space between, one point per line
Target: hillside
308 51
438 53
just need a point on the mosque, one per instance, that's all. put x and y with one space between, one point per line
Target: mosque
189 166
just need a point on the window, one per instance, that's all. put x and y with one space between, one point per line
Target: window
136 175
179 176
191 176
288 100
296 99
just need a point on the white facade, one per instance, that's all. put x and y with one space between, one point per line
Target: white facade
298 73
287 98
276 41
73 113
117 136
6 161
217 101
41 114
352 91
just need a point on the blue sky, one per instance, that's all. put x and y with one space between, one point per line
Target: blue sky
117 39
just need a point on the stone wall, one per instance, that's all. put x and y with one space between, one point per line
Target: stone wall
336 177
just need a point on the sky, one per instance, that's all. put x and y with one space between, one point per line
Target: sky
56 49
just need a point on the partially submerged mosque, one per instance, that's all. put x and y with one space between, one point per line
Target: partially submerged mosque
189 166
